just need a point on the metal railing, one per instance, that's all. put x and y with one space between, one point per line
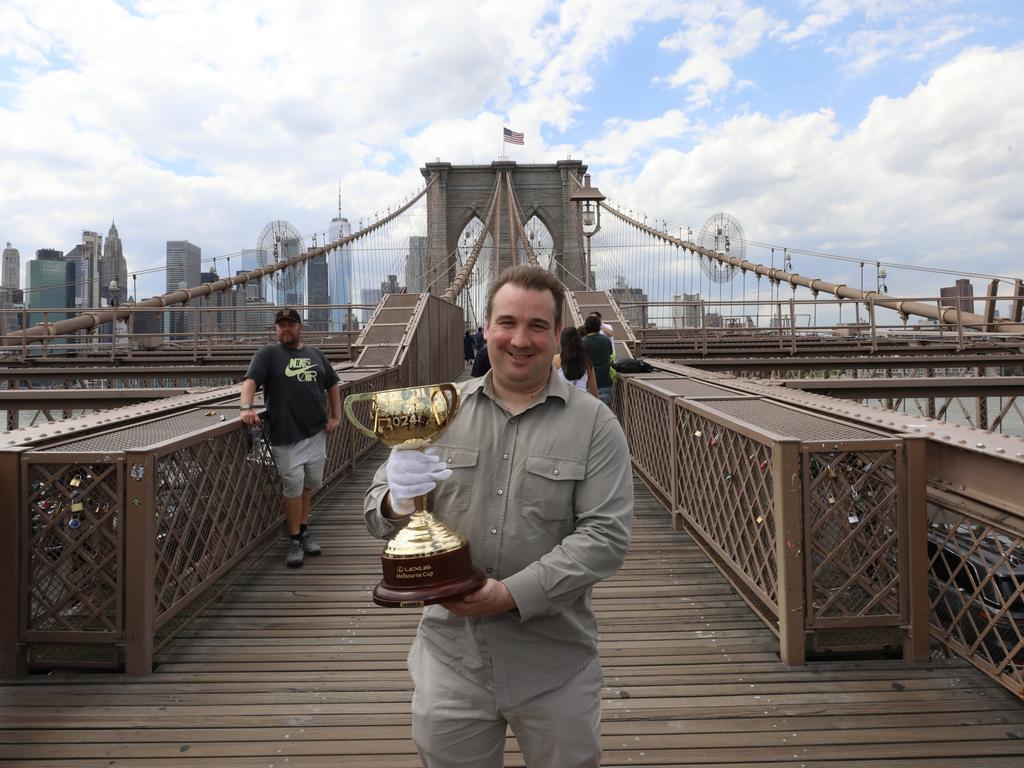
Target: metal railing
191 332
122 532
976 583
811 518
705 325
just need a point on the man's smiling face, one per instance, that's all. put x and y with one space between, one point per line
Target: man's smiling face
521 337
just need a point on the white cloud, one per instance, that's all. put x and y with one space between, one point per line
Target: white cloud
623 140
207 119
867 48
922 179
713 35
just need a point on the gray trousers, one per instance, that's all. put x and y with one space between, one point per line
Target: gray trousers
457 723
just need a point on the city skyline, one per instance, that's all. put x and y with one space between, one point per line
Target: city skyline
868 130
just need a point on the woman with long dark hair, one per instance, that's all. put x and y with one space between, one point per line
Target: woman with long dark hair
572 363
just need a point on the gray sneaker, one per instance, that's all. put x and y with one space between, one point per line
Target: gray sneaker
295 555
309 546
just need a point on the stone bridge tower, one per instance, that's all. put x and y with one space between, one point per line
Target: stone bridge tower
463 192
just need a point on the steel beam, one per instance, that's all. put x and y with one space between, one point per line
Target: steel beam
941 386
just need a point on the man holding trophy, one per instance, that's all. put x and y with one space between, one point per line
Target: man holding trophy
536 476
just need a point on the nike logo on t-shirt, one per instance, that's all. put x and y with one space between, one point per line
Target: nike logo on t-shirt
301 368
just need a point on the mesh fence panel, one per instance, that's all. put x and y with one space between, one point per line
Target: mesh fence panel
726 492
976 586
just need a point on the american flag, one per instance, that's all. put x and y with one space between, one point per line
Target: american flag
511 137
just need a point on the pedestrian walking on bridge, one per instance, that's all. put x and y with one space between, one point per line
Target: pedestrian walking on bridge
297 383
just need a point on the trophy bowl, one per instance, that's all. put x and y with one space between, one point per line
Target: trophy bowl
426 562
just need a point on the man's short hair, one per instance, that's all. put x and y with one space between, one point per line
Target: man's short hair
533 279
591 324
596 314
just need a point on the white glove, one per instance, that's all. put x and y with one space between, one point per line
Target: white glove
413 473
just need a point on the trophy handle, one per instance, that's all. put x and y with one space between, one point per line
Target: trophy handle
451 397
353 419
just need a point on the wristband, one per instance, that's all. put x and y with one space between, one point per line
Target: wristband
245 407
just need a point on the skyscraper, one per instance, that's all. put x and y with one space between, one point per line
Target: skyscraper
370 297
339 273
416 265
10 278
961 293
183 270
623 293
86 255
113 265
686 315
316 276
51 286
374 295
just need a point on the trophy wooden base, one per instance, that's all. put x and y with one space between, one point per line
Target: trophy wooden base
412 582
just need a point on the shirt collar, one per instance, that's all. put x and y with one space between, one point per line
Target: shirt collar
556 387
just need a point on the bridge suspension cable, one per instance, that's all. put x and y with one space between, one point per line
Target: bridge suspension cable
462 276
88 320
945 315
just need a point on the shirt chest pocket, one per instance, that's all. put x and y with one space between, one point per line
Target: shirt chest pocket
455 492
548 486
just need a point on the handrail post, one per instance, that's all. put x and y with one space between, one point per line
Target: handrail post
959 327
140 552
13 659
131 331
787 508
792 324
675 502
195 331
874 327
703 327
916 643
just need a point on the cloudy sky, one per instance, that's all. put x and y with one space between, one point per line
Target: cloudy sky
875 129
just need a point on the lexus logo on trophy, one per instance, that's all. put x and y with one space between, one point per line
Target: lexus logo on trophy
426 562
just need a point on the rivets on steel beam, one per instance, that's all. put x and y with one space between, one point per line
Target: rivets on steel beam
979 445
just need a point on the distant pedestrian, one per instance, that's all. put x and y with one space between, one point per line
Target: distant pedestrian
599 349
478 338
482 363
606 329
295 378
468 348
572 364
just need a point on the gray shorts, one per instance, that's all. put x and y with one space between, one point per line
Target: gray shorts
301 464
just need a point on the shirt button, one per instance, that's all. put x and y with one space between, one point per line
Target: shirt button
488 570
504 456
500 491
449 459
556 471
494 530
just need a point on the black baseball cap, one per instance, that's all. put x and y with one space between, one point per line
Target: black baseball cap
288 313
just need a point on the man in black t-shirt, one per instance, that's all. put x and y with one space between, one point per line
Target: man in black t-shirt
297 381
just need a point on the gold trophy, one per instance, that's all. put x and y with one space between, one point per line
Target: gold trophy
426 562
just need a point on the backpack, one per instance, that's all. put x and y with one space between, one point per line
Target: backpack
632 365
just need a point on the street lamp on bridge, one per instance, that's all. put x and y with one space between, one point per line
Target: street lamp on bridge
588 202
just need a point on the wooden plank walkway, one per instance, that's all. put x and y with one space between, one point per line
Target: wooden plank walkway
299 668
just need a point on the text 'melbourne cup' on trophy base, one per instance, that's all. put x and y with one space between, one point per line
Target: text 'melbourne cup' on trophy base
426 562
